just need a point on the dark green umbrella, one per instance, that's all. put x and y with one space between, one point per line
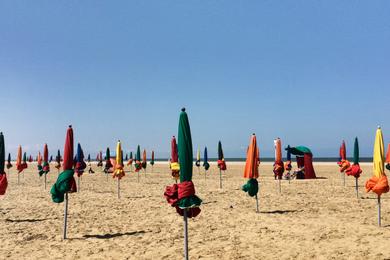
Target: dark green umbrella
355 170
24 157
138 163
3 176
356 151
221 163
9 164
182 196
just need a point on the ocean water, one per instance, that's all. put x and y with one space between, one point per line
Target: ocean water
315 159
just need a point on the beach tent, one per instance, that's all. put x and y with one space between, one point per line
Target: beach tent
304 159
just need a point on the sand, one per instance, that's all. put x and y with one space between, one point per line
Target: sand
318 219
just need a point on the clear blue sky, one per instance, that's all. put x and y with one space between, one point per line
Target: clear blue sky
310 72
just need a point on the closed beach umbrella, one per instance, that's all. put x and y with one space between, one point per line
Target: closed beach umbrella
130 161
80 164
182 196
174 163
118 171
278 164
3 176
138 163
25 160
251 170
221 158
65 182
378 183
108 165
387 157
355 170
20 165
58 160
144 162
206 164
9 164
45 166
152 159
221 163
100 159
197 162
39 161
344 164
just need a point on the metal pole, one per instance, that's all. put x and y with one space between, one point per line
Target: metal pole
344 178
45 181
220 179
379 211
119 188
138 176
185 235
78 184
257 204
357 187
65 214
18 178
280 186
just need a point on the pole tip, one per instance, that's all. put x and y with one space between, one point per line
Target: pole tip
70 126
183 109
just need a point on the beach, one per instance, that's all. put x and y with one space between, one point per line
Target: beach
309 219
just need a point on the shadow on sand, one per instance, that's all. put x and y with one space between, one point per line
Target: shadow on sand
31 220
108 236
279 211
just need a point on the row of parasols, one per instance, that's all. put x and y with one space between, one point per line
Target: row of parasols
182 195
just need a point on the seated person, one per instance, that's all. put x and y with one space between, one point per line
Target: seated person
300 173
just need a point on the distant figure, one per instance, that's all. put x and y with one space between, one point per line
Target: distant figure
300 173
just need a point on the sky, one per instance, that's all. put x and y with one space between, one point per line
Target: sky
310 72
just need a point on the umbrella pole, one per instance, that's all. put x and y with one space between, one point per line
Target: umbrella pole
106 176
357 187
379 211
185 235
220 179
257 204
280 186
65 214
138 176
78 184
119 188
344 179
18 178
45 181
58 171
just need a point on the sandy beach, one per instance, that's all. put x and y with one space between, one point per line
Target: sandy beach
319 218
